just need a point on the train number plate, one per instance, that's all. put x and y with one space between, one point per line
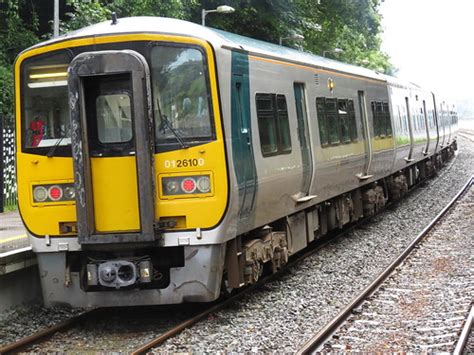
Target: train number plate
184 163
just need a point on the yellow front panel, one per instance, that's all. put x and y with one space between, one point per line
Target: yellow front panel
200 210
44 219
115 179
115 194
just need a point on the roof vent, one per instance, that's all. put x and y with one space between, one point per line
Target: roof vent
114 18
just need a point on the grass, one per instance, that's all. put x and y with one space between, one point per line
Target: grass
10 208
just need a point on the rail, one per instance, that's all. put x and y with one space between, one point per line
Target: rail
33 339
314 344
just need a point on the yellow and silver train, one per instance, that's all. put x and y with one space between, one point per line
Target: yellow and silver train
159 161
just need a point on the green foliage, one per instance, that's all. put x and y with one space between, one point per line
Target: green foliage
351 25
266 20
163 8
84 13
15 35
6 90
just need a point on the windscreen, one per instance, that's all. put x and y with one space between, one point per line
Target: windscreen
45 121
181 99
181 95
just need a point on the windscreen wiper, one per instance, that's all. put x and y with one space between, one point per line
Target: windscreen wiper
166 123
58 142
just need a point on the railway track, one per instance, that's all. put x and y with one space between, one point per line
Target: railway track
467 134
34 341
316 343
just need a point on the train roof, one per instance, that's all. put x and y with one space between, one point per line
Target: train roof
218 38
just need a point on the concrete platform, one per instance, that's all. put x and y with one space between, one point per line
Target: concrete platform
12 232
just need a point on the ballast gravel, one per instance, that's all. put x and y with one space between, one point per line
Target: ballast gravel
423 305
283 314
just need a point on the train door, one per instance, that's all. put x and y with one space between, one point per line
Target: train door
437 123
364 175
427 124
409 158
112 147
242 149
303 136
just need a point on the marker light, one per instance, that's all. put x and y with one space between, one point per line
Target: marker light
69 193
55 193
188 185
172 186
40 194
204 184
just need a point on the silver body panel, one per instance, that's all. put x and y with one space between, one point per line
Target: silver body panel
198 281
335 169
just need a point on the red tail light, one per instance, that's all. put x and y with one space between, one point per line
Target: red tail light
188 185
55 193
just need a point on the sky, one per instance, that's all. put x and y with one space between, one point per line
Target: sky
431 43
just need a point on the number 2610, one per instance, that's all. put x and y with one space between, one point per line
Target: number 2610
184 163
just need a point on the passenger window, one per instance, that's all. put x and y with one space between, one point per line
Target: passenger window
381 119
344 120
332 119
273 125
388 122
283 125
352 120
379 114
266 124
336 120
322 121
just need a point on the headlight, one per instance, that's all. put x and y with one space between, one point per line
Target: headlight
69 193
40 194
204 184
186 185
53 193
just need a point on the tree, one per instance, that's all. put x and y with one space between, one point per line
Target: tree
16 35
84 14
353 26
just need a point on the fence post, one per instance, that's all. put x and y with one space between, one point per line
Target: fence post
2 164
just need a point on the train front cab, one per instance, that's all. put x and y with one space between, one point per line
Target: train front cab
122 179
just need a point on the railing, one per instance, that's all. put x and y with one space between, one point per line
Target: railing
7 164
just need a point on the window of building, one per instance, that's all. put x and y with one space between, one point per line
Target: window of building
273 125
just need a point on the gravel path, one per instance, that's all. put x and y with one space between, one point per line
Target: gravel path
423 305
285 313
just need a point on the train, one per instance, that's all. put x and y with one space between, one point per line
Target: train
161 162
